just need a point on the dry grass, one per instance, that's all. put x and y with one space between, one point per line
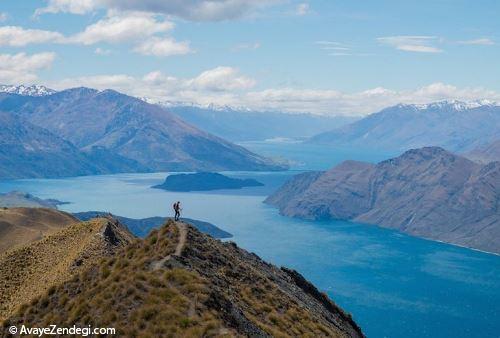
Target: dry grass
179 299
19 226
125 293
29 271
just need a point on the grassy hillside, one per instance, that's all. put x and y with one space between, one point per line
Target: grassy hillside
29 271
19 226
181 283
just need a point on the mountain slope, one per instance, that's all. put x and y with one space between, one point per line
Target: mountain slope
485 154
27 150
132 128
30 271
19 226
182 283
426 192
456 126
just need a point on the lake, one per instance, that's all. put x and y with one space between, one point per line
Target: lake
394 285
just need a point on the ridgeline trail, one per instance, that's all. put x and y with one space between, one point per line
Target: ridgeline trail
182 228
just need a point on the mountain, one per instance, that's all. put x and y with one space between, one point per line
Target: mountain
142 227
34 90
243 125
456 126
425 192
176 282
22 199
30 271
486 153
27 150
19 226
133 129
205 181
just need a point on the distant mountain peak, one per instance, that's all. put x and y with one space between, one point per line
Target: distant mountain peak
209 106
450 104
33 90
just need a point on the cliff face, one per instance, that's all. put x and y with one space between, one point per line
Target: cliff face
180 282
426 192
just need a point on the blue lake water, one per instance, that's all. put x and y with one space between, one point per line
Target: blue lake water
394 285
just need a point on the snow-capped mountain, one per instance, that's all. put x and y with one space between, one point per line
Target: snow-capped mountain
458 126
452 105
209 106
33 90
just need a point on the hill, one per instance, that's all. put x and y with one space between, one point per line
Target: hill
29 271
19 226
486 153
142 227
132 129
426 192
455 126
182 283
204 182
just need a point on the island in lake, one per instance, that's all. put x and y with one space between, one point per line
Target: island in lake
204 181
22 199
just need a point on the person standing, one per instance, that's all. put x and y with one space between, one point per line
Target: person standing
177 210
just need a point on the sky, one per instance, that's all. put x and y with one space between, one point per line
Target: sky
320 56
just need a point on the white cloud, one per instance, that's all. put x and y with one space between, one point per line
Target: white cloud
165 46
195 10
479 42
409 43
302 9
226 86
3 16
221 79
122 28
139 29
23 68
16 36
68 6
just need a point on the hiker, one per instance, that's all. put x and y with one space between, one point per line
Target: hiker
177 209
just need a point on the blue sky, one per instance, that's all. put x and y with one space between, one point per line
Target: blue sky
327 57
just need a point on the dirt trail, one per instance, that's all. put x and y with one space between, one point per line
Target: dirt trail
178 249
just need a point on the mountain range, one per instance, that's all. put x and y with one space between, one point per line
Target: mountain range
33 90
175 282
91 131
244 125
454 125
425 192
